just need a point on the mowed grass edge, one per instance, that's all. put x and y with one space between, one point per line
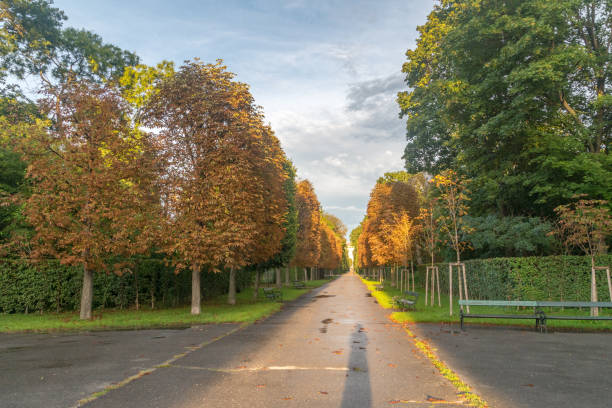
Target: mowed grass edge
246 310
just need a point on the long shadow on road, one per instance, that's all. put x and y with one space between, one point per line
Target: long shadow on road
357 388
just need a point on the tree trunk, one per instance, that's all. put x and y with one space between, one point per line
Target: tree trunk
86 293
195 289
137 289
256 288
594 310
231 295
287 275
279 282
305 274
450 288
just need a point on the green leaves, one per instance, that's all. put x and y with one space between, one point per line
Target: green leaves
502 91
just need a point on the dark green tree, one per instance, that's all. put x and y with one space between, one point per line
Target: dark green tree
515 94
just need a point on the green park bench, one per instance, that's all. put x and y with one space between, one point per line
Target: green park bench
538 314
298 285
545 317
273 294
407 300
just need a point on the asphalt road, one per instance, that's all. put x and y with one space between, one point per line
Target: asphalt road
332 348
56 371
515 368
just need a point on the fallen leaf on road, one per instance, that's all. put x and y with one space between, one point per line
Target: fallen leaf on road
287 398
240 367
323 392
391 365
260 385
337 352
527 385
394 402
434 399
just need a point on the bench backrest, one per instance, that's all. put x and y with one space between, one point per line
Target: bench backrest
521 303
409 293
532 303
574 304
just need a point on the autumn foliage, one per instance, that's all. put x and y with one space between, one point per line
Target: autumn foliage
309 216
223 187
93 194
388 228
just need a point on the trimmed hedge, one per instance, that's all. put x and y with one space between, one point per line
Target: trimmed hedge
49 286
530 278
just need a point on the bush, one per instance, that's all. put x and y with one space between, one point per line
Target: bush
530 278
49 286
492 236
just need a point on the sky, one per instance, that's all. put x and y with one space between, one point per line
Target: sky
326 73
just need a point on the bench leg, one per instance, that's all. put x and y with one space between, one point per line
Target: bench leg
461 320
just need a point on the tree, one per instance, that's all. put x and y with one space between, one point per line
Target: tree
517 96
333 244
452 206
223 188
386 201
586 224
354 239
290 225
34 42
93 196
335 224
308 248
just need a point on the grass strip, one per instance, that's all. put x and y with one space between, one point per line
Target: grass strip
246 310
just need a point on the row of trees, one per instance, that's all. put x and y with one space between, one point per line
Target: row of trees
321 236
128 160
410 218
508 114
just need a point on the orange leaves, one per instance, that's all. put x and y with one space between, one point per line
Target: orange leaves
309 245
388 227
93 179
225 173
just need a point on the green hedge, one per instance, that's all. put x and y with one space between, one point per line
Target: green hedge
529 278
49 286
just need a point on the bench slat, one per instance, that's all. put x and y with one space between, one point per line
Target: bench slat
532 303
573 304
524 303
500 316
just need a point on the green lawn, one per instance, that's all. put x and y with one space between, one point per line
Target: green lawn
216 310
436 314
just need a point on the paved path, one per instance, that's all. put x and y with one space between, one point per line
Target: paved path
57 370
332 348
513 368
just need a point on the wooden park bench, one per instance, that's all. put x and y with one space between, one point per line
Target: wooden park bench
408 300
273 294
379 287
538 314
298 285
